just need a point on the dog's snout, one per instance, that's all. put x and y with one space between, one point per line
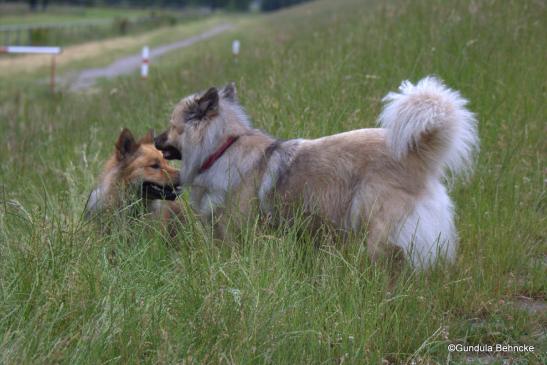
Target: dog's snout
160 140
169 151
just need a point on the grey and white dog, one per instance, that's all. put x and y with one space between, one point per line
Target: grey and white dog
385 181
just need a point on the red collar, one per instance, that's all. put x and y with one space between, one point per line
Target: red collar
217 154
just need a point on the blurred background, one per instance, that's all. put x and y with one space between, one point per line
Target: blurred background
40 22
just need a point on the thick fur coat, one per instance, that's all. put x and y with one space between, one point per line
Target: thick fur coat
387 181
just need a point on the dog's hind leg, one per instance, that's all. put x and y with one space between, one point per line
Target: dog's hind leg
379 246
375 218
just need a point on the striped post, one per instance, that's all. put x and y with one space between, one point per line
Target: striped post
145 62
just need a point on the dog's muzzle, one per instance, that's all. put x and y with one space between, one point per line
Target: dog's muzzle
169 152
152 191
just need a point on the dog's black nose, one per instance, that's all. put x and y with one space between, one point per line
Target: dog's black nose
169 152
160 140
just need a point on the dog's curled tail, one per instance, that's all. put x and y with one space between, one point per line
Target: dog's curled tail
430 120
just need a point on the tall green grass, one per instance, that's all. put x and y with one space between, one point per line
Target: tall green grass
71 293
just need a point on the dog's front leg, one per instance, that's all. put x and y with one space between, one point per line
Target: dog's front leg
209 208
218 223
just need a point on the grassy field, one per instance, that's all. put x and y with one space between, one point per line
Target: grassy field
70 294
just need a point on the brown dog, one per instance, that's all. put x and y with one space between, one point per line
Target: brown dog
387 181
137 171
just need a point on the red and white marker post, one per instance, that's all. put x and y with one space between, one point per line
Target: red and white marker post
145 62
53 51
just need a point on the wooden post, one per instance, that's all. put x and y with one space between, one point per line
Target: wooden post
52 79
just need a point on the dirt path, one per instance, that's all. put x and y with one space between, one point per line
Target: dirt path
130 64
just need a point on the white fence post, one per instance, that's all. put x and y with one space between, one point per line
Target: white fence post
235 47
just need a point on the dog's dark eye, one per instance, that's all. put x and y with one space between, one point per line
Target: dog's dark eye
155 166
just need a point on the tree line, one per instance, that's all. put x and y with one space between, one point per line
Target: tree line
242 5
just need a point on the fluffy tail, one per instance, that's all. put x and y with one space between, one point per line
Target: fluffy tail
431 121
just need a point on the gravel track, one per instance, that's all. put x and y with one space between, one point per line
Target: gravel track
127 65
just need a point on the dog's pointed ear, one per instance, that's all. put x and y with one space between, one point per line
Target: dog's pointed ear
229 92
148 137
208 103
126 144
